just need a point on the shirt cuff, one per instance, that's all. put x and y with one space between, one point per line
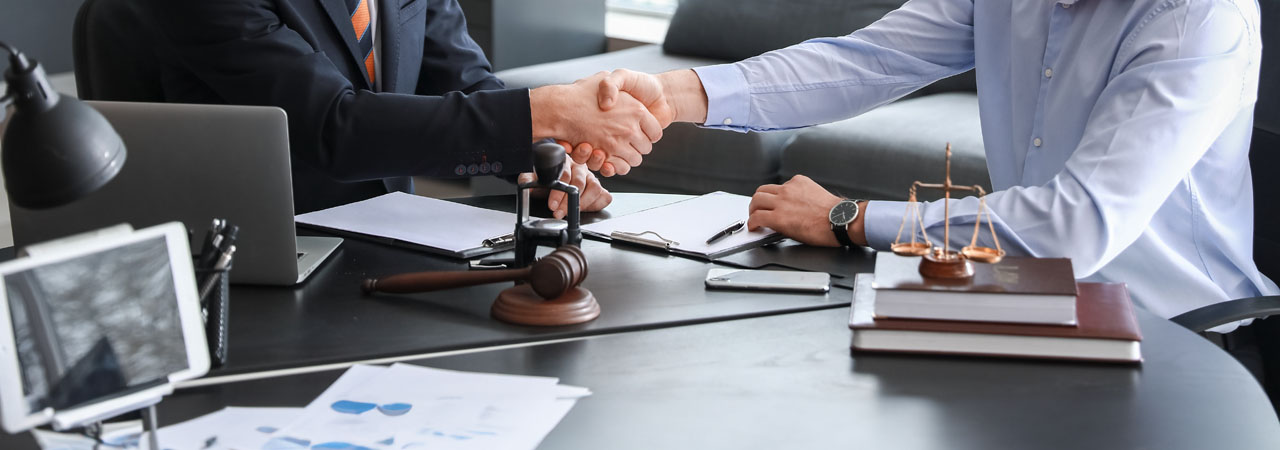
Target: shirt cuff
881 223
728 100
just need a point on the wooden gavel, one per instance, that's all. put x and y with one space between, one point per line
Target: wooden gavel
550 277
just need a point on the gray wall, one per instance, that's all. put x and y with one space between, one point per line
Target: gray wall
41 29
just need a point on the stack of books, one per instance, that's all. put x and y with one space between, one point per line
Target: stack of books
1019 307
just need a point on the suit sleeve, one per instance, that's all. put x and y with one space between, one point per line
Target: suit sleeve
451 60
244 52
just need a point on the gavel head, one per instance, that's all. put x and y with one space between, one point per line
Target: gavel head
558 272
548 161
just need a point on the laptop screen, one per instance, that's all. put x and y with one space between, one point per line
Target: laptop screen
110 317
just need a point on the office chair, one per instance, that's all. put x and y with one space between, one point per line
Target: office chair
1263 157
107 40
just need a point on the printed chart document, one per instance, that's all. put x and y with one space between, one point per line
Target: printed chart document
406 406
232 428
683 227
424 223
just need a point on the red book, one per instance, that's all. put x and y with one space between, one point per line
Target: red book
1107 330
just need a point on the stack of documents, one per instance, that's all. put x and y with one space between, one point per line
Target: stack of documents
406 406
398 407
423 223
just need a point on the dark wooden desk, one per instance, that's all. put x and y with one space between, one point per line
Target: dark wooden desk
328 320
770 380
789 382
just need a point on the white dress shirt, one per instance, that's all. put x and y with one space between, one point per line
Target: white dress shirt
1117 132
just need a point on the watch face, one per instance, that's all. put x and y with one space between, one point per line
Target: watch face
844 212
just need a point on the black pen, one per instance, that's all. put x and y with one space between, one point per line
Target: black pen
727 231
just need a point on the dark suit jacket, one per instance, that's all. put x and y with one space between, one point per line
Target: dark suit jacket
440 111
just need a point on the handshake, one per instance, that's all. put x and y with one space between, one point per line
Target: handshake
610 120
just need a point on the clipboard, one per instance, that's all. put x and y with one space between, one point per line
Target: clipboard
419 223
683 227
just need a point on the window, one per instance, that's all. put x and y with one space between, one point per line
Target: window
663 8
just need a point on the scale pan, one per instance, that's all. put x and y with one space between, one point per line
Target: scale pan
911 249
982 254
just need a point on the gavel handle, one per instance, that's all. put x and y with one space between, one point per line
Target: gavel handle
407 283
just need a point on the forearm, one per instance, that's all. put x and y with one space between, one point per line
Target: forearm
685 95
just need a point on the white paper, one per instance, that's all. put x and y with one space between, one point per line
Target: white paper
406 406
434 223
231 428
690 223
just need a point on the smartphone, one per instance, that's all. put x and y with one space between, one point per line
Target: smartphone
768 280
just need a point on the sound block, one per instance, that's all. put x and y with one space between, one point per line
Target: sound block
520 305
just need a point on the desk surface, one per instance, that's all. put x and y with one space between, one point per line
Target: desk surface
788 381
769 380
328 320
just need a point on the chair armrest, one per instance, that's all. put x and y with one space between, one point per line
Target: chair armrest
1204 318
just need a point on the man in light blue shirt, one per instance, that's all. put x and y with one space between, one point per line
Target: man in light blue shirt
1117 133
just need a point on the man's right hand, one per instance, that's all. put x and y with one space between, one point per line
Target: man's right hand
625 132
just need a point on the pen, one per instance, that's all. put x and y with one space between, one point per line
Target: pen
727 231
500 240
224 260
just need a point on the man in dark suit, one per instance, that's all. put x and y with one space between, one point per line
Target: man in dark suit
380 90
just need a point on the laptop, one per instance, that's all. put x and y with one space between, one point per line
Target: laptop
194 163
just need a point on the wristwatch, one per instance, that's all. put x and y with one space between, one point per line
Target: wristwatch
841 216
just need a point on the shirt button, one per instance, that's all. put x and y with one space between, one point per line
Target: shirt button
1048 73
1036 142
728 121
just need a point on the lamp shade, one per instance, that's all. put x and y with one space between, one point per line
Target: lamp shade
55 148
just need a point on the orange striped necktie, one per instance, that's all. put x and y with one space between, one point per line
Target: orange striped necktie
361 24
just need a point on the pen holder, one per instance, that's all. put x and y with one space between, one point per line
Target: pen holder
215 305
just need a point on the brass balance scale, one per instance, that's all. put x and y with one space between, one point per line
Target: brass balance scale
942 262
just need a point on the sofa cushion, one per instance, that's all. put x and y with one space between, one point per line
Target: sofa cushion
879 154
739 29
734 30
692 160
646 58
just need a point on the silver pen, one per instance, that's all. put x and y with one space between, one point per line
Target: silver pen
499 241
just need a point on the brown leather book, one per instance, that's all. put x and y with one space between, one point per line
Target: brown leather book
1016 289
1107 330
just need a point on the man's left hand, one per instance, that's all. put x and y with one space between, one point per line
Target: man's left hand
591 196
799 209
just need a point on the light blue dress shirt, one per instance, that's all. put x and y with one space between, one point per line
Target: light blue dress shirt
1117 132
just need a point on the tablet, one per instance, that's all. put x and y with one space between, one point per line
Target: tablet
99 327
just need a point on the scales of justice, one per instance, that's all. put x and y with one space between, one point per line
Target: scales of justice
941 261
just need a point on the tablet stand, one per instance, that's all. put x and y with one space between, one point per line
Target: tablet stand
150 426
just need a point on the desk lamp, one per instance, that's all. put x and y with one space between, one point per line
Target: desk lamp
56 149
